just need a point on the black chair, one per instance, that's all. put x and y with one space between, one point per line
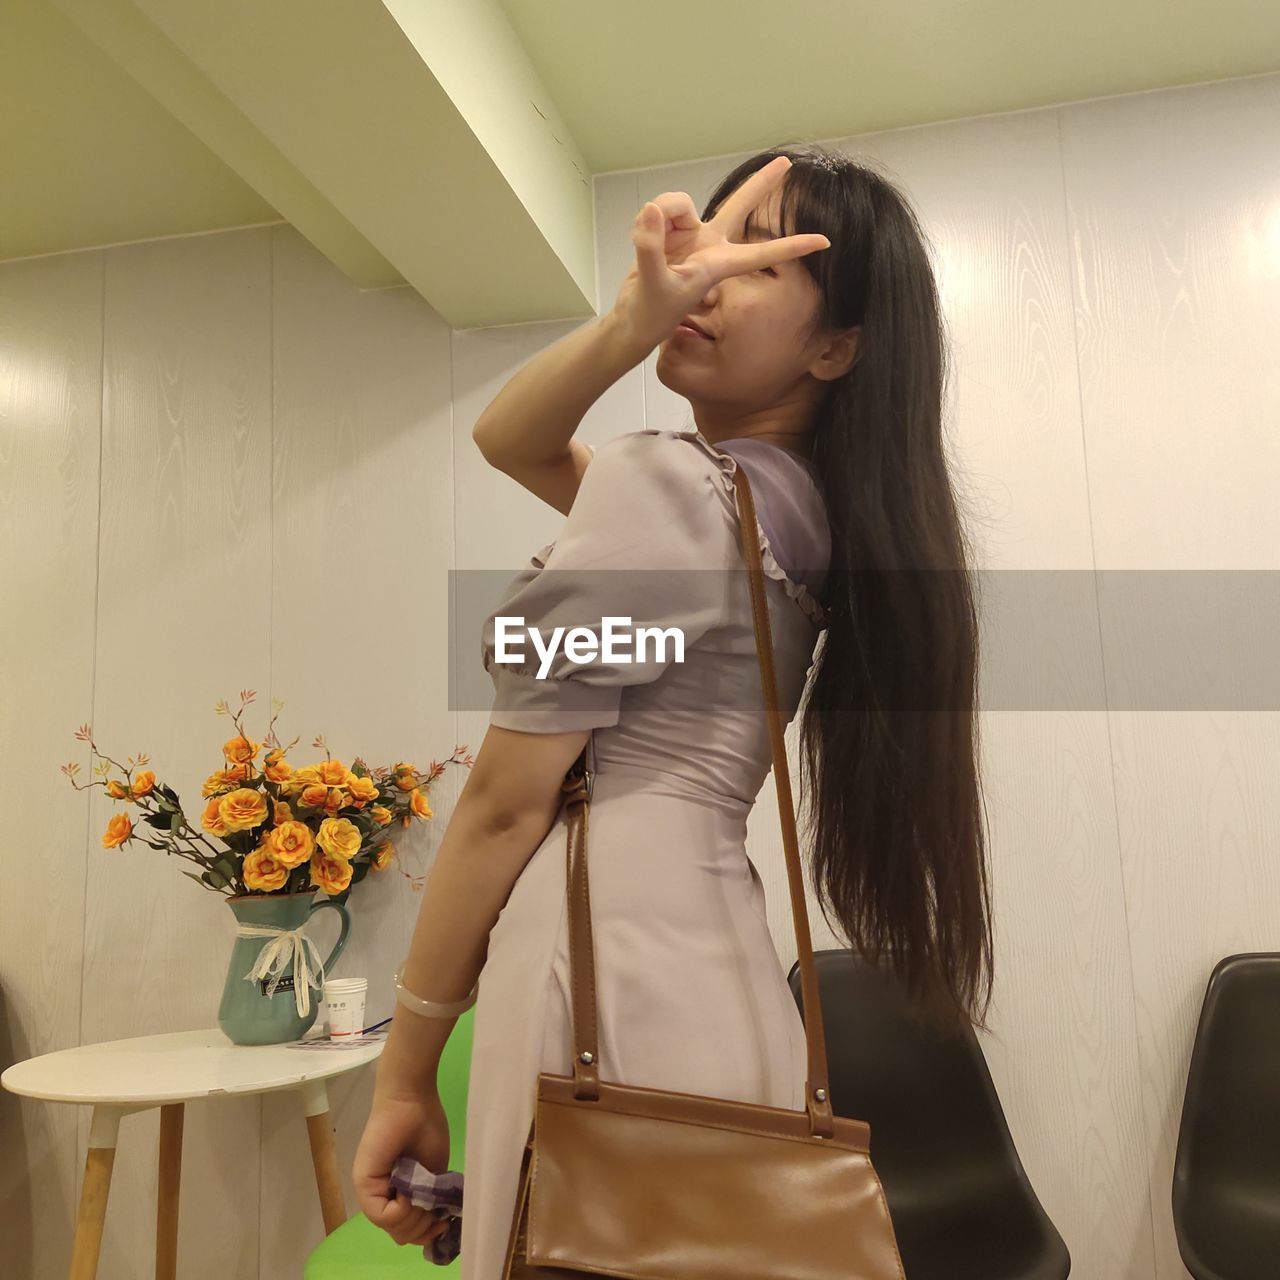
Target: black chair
1226 1173
961 1203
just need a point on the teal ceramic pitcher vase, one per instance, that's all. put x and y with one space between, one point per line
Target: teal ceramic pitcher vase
274 1006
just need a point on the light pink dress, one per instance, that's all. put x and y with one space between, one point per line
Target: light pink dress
691 994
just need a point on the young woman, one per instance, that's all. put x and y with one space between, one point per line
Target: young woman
817 366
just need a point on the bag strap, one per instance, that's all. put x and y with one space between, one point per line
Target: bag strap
577 791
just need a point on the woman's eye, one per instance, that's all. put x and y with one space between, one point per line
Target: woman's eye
768 271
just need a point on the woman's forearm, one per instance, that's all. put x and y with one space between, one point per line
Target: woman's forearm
470 881
533 418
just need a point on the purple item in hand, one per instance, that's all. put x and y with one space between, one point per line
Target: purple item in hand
439 1192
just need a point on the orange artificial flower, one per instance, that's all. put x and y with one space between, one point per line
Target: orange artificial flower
380 814
322 786
290 843
274 766
339 837
314 796
240 750
117 790
263 871
329 773
418 804
331 874
119 829
144 784
362 790
406 776
281 813
211 819
381 856
224 780
243 808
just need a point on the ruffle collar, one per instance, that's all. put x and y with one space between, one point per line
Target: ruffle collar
728 464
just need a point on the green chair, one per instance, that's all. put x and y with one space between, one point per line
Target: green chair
358 1250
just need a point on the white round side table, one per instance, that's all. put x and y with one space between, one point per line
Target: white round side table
119 1077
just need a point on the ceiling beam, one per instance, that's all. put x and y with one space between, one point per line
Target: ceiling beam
410 143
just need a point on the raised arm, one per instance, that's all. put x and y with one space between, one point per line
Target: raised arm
527 431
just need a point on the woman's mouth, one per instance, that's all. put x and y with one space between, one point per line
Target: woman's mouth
689 330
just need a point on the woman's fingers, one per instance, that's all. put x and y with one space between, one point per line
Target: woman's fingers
432 1228
679 210
731 216
676 213
738 259
435 1227
390 1212
409 1231
404 1228
787 247
407 1223
649 236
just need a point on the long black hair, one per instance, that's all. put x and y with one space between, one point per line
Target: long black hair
889 727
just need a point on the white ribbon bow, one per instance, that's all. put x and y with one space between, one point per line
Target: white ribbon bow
274 958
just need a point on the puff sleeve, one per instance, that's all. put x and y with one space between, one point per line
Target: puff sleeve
646 544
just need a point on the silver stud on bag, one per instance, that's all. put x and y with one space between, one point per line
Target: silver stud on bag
585 1056
820 1094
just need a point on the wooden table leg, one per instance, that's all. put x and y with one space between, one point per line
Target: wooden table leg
170 1178
324 1155
104 1129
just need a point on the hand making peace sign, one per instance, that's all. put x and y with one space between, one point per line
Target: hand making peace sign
679 257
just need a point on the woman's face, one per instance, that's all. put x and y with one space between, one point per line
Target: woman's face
758 373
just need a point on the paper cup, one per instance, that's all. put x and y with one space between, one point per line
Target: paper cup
345 1000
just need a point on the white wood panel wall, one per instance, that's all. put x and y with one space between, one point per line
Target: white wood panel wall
277 513
221 466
